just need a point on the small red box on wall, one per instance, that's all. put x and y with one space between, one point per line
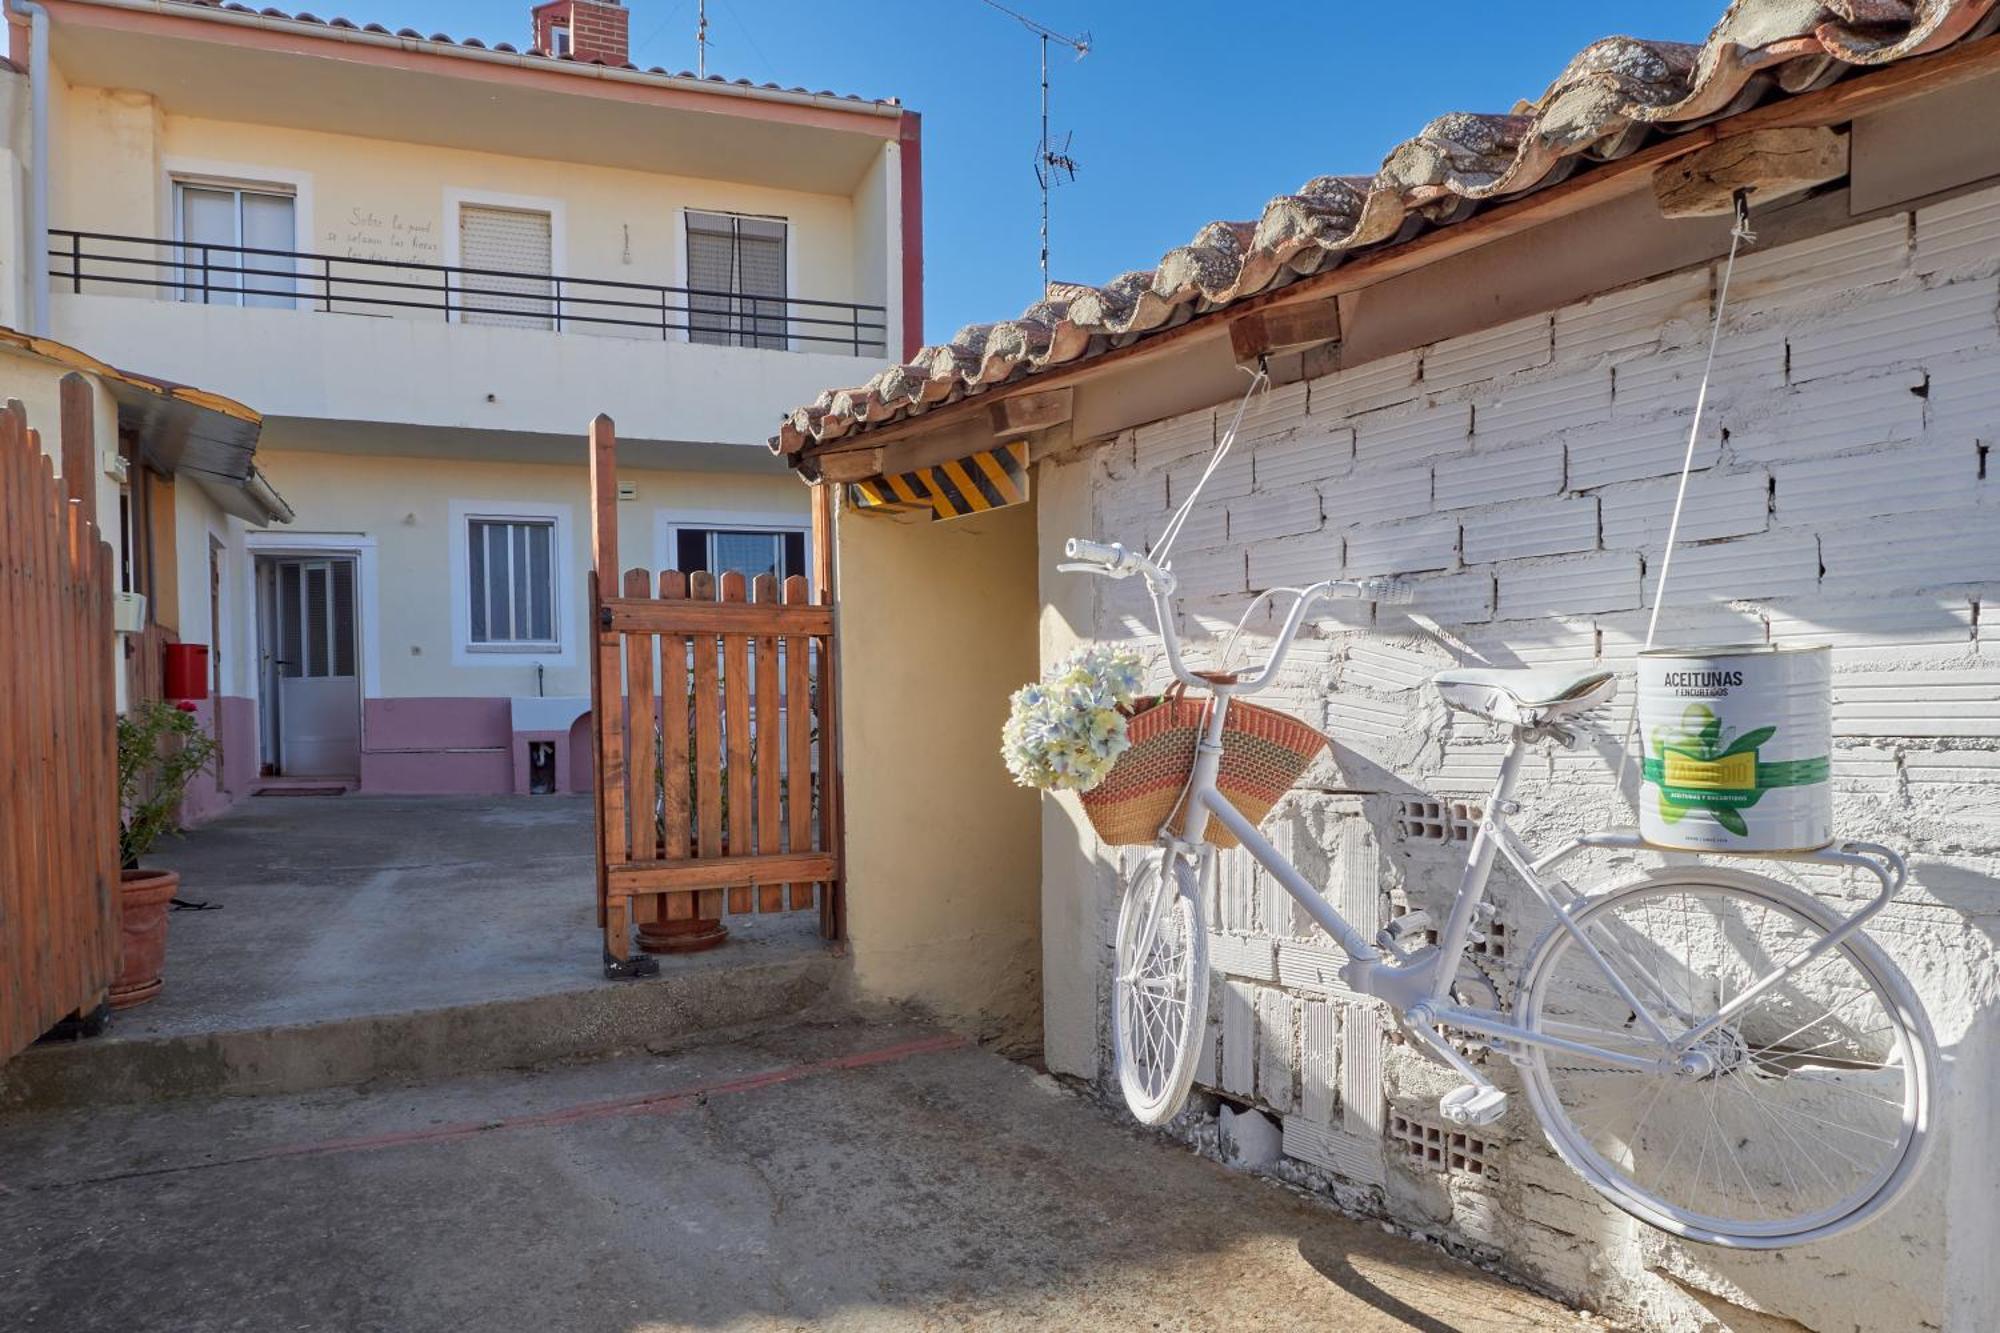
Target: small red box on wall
186 671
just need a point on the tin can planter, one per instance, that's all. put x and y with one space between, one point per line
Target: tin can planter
144 897
1737 748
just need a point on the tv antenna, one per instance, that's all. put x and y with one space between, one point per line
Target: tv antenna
1052 165
701 39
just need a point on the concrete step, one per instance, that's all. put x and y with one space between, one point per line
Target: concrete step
693 995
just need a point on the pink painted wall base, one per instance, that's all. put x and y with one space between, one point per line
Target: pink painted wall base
232 719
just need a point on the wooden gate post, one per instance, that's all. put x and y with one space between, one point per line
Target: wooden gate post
607 707
833 898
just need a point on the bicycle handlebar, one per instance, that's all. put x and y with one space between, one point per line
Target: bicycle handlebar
1113 560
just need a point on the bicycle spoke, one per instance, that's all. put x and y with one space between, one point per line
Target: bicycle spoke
1795 1105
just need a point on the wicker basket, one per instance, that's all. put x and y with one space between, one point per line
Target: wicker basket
1263 753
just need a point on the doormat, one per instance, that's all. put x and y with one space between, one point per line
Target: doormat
331 789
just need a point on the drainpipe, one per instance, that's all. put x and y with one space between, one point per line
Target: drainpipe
38 169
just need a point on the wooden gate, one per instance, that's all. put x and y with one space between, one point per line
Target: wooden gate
713 728
59 936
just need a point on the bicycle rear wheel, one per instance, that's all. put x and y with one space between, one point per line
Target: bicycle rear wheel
1803 1113
1159 1001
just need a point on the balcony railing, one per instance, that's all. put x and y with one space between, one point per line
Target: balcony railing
203 273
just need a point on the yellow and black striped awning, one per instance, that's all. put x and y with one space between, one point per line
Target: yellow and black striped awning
990 479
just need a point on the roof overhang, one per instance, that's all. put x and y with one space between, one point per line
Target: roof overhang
1422 211
268 68
210 439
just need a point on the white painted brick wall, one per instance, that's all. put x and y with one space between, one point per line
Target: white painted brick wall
1631 451
1292 562
1409 434
1959 237
1377 495
1853 257
1283 512
1499 475
1964 402
1523 479
1489 354
1607 581
1365 388
1543 527
1719 504
1913 329
1934 474
1771 565
1304 458
1403 547
1539 408
1634 319
1831 416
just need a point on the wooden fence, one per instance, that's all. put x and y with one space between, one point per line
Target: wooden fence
59 924
712 703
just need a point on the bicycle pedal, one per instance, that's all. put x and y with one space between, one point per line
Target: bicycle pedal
1473 1105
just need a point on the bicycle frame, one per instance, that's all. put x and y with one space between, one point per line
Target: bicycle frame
1419 987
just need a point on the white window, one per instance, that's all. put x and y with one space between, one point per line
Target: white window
511 567
736 280
506 255
751 551
238 243
559 39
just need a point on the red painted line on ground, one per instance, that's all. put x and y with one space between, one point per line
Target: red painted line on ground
644 1103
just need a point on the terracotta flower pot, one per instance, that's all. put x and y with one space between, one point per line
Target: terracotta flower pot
144 896
690 935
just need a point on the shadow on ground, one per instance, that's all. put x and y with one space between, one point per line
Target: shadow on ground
841 1175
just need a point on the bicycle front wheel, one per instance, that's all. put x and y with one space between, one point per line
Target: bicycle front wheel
1159 1000
1801 1113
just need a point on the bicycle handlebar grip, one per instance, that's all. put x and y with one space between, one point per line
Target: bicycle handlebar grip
1109 554
1389 592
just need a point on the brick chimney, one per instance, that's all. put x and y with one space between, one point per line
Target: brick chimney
584 30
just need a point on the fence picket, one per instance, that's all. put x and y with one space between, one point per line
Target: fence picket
707 731
736 717
59 929
677 833
642 746
798 739
767 728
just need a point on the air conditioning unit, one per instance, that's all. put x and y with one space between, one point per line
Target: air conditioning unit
128 612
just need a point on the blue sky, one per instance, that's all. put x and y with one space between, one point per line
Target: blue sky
1181 113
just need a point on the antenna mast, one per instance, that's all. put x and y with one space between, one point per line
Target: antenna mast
701 39
1048 160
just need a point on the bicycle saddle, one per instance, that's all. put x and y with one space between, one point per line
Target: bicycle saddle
1526 697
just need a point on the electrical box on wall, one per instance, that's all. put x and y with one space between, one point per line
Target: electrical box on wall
117 468
128 612
628 490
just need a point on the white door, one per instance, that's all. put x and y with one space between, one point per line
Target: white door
312 696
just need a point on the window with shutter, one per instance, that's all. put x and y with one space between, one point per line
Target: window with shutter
736 278
507 255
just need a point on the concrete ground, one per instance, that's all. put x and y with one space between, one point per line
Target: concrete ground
363 938
844 1175
336 906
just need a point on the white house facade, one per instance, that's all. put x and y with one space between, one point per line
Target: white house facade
427 263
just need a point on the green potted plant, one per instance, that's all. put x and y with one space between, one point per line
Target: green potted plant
160 750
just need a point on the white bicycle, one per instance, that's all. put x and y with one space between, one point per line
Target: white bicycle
1717 1053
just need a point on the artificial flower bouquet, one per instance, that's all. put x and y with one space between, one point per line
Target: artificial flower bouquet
1087 728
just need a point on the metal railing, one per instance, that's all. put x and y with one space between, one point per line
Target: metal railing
204 273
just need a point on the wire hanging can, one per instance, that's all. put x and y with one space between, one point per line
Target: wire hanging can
1737 744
